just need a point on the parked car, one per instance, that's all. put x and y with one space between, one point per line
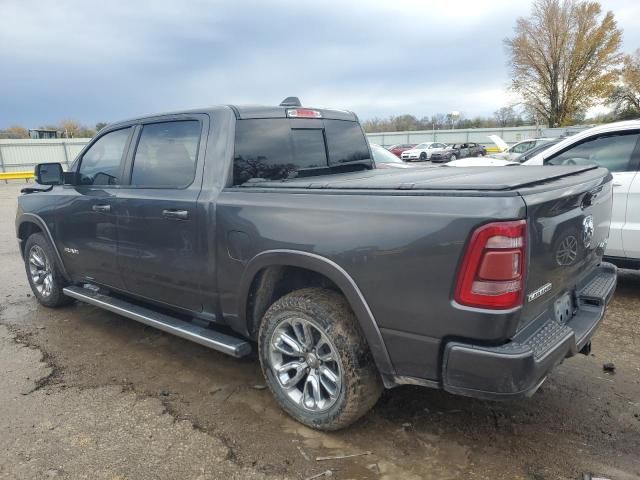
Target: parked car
422 152
529 154
615 146
383 158
497 162
449 154
470 150
239 226
513 152
401 147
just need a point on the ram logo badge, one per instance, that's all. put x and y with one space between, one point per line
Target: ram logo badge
587 230
539 292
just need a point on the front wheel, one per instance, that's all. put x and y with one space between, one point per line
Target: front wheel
423 156
315 360
453 157
44 276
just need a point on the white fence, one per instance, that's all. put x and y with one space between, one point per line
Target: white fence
23 155
476 135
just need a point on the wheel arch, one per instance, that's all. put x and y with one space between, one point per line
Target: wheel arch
30 223
265 270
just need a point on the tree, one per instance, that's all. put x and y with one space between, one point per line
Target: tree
100 126
625 98
505 116
16 131
564 58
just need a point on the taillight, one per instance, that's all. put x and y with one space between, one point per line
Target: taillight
492 271
303 113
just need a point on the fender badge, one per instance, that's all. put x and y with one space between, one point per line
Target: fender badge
539 292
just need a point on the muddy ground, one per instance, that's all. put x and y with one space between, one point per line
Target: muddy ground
88 394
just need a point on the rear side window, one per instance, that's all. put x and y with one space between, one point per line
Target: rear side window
166 154
100 165
613 152
279 148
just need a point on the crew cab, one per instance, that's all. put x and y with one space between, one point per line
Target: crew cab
268 228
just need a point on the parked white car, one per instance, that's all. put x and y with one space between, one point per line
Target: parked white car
615 146
422 151
513 152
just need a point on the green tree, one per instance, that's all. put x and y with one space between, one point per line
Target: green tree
564 58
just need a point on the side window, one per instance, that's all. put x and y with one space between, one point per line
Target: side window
100 165
522 147
612 152
166 154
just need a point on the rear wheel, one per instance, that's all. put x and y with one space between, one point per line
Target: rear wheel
44 276
315 360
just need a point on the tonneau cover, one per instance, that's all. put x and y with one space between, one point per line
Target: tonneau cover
441 178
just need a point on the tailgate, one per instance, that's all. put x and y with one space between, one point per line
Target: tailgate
568 225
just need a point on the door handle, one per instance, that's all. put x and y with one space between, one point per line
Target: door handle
177 214
101 208
616 184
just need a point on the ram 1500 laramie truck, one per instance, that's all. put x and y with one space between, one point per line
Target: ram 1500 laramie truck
270 229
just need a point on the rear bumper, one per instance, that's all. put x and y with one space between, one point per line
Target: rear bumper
519 367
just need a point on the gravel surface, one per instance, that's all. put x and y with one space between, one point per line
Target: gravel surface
88 394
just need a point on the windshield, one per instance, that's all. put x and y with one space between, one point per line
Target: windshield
382 155
422 145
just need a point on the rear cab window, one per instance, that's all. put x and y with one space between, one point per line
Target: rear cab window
281 148
166 154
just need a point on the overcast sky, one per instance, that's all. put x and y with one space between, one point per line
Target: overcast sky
107 60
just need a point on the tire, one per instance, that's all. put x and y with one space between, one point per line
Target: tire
44 275
452 158
423 157
480 154
313 399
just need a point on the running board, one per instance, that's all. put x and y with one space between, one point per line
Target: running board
224 343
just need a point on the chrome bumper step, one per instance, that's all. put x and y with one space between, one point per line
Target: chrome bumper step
221 342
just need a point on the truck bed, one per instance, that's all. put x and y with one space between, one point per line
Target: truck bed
482 179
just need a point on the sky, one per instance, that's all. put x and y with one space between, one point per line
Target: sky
102 60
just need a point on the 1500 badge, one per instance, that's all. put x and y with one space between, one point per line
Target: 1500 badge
73 251
539 292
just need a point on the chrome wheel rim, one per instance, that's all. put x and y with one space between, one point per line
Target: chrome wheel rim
305 364
40 271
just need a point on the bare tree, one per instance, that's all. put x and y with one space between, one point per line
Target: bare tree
564 57
505 116
16 131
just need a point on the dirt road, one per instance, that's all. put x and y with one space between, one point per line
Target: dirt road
88 394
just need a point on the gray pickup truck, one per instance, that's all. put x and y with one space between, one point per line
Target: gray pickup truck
270 229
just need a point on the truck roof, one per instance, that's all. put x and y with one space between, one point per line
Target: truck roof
244 112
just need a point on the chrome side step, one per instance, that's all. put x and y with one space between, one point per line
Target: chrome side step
222 342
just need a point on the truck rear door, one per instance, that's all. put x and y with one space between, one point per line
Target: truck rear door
159 248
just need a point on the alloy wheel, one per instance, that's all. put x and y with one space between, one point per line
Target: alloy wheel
40 271
305 364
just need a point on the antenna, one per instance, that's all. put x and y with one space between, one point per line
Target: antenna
291 102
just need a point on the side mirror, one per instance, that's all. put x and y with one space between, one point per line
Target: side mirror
49 174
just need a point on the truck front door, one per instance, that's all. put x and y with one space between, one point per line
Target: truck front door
86 220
